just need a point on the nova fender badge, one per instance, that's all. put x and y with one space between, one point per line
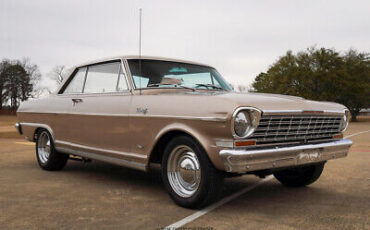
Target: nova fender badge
142 110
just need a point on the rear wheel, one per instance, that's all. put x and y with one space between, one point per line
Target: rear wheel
47 157
188 175
300 176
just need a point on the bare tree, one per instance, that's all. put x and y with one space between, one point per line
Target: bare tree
242 88
40 91
34 75
58 73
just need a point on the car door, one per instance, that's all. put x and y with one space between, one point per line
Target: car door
62 106
100 114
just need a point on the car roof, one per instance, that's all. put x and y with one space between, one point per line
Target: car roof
127 57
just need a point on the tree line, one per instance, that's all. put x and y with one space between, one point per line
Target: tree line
320 74
316 73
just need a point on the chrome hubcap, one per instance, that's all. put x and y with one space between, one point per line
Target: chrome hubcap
43 147
183 171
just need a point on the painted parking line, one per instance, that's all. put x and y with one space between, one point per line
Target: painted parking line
24 143
225 200
355 134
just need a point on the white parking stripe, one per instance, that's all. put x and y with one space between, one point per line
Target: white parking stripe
24 143
225 200
355 134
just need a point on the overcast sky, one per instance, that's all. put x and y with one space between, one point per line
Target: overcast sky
240 38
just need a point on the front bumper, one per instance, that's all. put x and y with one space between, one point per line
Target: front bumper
241 161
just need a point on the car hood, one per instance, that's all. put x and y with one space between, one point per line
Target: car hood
277 102
267 102
219 101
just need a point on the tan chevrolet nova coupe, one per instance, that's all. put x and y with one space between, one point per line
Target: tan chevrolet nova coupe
135 112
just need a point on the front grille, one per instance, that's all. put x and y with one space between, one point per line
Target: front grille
293 129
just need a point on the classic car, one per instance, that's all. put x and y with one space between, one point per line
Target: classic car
184 117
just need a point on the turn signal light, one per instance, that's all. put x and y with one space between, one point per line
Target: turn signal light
244 143
338 136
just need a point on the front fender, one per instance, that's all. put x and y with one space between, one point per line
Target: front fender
206 139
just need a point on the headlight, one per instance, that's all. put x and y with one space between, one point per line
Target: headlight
245 121
345 120
242 123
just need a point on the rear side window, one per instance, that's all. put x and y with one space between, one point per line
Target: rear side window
103 78
77 82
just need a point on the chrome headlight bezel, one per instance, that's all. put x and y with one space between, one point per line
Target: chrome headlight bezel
345 120
254 115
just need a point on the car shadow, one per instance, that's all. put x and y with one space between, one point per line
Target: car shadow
269 198
114 175
271 191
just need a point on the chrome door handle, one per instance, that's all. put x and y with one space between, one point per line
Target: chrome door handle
76 100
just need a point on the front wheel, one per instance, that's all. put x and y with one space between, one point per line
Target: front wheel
47 157
188 175
300 176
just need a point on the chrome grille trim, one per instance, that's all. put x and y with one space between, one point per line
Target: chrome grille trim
296 128
300 112
301 127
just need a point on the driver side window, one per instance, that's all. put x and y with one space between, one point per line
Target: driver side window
77 82
98 78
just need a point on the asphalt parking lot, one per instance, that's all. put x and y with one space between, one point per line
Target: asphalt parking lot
103 196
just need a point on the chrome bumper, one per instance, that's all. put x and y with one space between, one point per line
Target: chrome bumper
241 161
19 128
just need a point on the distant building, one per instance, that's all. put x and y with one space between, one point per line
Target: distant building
364 112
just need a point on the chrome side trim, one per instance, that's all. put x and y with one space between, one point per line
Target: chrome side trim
242 160
216 119
112 160
82 114
300 112
133 155
120 93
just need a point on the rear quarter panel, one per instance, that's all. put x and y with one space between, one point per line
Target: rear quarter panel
49 111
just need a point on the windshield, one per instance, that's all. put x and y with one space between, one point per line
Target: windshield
155 73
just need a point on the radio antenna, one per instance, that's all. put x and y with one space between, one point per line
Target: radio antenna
140 76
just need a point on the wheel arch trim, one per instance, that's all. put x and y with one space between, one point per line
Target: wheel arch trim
36 126
177 127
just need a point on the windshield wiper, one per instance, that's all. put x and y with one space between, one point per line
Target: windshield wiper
210 85
176 85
